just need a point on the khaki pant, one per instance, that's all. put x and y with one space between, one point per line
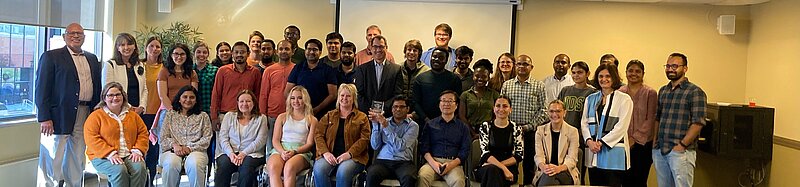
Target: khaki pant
454 178
62 157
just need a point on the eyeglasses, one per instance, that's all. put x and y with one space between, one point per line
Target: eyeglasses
673 66
447 101
525 64
74 33
179 54
555 111
114 95
399 106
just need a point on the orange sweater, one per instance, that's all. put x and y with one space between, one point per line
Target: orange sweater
101 133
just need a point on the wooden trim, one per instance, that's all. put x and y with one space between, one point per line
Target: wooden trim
790 143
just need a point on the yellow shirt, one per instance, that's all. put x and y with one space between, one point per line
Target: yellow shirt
153 102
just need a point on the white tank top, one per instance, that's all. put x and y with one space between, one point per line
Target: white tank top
295 131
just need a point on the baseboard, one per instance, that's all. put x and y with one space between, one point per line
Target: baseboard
786 142
18 159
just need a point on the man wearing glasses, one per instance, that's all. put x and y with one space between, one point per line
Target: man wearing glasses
528 101
395 141
292 33
377 80
445 144
230 80
441 35
67 86
680 117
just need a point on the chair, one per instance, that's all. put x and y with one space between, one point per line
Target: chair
303 177
473 163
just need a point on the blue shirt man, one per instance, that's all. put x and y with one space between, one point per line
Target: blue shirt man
445 143
318 78
442 35
395 140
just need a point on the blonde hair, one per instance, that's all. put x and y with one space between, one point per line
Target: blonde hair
350 88
307 108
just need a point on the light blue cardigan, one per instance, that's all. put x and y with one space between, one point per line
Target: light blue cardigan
616 155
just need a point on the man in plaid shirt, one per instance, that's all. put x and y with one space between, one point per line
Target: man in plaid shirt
681 115
528 101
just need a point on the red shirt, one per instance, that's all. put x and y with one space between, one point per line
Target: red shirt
272 102
228 83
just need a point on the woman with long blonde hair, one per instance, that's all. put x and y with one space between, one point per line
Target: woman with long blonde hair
292 139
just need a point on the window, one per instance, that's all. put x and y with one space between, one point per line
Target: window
20 49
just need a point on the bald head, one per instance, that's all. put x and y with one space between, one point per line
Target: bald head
74 37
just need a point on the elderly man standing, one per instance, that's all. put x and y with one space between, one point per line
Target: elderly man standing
67 86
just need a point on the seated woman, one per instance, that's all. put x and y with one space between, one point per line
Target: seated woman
242 141
556 149
501 147
342 139
293 142
116 138
185 135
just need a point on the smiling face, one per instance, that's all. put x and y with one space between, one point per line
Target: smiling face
506 64
245 103
345 98
399 108
605 80
153 48
438 60
675 68
463 61
178 56
635 74
502 108
312 52
188 100
285 51
442 38
378 49
556 113
561 65
201 54
296 100
255 44
74 37
412 54
579 76
481 77
267 49
240 54
126 48
447 104
372 33
524 65
334 46
114 98
224 53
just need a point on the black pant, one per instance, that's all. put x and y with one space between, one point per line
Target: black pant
528 164
247 171
563 178
491 175
604 177
641 159
404 171
151 157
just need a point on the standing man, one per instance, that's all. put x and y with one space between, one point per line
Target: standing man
271 100
554 83
429 83
333 42
445 144
292 33
377 80
527 99
231 79
318 78
365 55
394 139
463 59
680 117
346 70
442 35
268 55
67 87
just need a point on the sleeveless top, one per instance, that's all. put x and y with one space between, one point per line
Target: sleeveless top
295 131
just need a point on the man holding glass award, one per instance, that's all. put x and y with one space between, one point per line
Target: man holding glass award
377 80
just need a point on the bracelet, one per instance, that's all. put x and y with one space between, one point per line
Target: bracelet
682 144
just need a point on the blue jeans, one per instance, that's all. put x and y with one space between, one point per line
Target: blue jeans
675 168
345 172
128 174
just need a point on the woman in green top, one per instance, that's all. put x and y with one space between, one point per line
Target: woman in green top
478 100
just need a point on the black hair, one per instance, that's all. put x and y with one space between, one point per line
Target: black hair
683 57
187 65
464 50
217 61
449 92
241 43
176 101
616 81
349 45
582 65
444 50
314 41
266 40
334 35
635 62
609 55
483 63
400 98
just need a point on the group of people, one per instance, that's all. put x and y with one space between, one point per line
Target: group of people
283 107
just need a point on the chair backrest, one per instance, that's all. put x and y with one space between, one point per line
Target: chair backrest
474 158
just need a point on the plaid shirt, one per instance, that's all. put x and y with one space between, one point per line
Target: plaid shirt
205 86
678 109
527 99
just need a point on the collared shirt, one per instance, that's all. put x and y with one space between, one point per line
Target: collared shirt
467 79
345 78
205 85
678 109
553 86
84 75
643 120
479 109
229 82
272 102
443 138
365 56
451 63
527 99
379 71
123 150
315 80
395 141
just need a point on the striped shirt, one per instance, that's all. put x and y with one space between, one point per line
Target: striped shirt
678 109
527 100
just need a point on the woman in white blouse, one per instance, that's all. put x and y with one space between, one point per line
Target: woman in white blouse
185 136
126 69
242 139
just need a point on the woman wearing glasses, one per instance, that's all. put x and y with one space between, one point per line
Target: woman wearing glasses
556 149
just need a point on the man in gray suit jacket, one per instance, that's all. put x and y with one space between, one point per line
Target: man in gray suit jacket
67 87
377 80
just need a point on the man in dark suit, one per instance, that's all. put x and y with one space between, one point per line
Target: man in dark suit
67 88
377 80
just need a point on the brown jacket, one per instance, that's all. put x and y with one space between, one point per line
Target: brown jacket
356 134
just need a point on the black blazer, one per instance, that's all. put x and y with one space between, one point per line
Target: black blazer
57 88
368 89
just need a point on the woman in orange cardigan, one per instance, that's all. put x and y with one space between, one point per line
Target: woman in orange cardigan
116 139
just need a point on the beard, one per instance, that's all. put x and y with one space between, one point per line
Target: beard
674 76
347 61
